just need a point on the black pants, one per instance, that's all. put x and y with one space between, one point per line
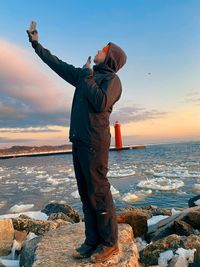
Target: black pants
91 166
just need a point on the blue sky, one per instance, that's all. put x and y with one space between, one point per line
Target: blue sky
160 80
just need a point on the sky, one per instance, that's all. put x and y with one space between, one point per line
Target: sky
160 102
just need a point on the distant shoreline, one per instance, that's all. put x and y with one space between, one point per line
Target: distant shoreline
43 151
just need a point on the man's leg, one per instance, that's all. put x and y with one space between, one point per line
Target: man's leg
91 232
94 164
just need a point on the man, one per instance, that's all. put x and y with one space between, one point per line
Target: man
96 92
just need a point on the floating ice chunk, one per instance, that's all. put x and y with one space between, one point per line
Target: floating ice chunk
196 187
153 220
46 190
119 172
2 204
113 190
75 194
129 197
42 176
197 202
71 174
138 195
165 257
53 181
21 208
162 184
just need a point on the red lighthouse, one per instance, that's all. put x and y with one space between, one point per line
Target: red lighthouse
118 137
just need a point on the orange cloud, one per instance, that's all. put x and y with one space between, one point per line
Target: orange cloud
23 80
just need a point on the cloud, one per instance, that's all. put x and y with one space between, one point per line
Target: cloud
131 114
193 97
29 130
28 96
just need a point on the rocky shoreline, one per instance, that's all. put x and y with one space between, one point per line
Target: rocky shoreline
173 241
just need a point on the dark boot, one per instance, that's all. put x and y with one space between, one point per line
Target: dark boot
84 251
103 253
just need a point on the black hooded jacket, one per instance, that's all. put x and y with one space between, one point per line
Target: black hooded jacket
94 96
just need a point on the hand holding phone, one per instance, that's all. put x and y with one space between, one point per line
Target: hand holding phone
32 32
32 28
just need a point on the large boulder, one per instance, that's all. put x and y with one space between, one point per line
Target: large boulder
150 254
64 208
63 242
182 228
192 241
149 211
38 227
136 219
193 218
6 236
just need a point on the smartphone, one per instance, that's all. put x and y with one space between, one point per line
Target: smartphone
33 26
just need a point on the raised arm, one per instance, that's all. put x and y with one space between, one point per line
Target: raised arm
104 96
68 72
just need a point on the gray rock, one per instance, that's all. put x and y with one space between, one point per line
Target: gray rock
57 246
6 236
64 208
27 255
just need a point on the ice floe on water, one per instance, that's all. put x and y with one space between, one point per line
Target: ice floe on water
2 204
41 176
21 208
120 172
53 181
162 184
196 187
75 194
47 189
113 190
137 196
37 215
178 173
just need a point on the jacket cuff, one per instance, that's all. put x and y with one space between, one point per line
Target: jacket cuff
34 44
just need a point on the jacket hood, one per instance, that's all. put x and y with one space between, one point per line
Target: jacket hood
116 57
